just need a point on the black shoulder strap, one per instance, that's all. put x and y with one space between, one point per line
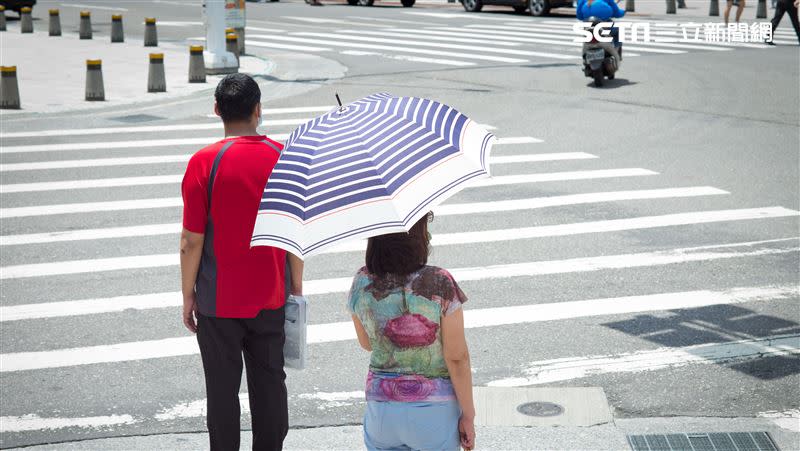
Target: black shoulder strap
214 172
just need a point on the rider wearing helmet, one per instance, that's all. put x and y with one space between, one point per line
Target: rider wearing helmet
602 11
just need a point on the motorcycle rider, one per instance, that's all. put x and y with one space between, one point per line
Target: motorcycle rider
602 11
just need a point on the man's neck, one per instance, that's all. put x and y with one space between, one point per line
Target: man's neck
240 130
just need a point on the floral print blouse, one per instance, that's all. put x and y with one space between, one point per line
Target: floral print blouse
402 317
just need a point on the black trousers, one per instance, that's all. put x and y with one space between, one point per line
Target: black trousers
786 6
222 342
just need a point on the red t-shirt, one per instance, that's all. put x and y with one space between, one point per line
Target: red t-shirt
247 279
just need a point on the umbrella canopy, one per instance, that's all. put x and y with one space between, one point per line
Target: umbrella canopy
371 167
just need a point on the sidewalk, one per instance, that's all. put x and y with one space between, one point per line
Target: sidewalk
51 71
603 437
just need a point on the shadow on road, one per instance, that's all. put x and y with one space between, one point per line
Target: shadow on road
613 84
722 324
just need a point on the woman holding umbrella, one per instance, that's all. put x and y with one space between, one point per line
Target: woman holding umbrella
408 314
371 170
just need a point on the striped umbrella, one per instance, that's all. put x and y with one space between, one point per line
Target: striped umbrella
371 167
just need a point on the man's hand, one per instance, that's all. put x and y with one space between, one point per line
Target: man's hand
466 430
190 313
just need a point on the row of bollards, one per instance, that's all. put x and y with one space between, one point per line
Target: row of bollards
84 27
95 90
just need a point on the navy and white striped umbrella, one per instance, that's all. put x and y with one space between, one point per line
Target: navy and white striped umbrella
372 167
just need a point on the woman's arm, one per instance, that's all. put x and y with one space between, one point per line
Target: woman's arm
296 269
363 338
456 355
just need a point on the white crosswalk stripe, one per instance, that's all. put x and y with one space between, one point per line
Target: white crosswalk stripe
487 39
443 210
162 159
446 239
327 40
177 178
332 332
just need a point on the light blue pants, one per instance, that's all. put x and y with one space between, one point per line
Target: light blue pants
412 426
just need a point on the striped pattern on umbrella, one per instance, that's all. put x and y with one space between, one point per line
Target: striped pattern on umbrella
372 167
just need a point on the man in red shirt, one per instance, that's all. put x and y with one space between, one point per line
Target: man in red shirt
233 295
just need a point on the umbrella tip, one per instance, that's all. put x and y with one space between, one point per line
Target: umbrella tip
338 100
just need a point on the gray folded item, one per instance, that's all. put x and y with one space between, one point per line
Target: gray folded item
295 349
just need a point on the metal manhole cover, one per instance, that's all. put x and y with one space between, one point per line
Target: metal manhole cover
540 409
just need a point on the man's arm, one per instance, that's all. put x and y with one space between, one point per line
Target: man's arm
296 271
191 252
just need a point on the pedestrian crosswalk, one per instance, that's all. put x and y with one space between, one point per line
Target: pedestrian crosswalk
80 303
461 40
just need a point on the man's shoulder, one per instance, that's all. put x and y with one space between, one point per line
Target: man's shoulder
278 144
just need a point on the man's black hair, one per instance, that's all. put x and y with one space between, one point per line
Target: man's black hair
237 96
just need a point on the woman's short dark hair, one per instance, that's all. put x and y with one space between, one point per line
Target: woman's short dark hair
237 96
400 253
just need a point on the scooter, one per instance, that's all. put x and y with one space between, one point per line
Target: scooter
598 60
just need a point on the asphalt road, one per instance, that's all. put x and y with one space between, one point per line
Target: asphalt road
668 199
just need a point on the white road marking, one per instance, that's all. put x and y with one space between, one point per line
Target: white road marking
442 210
342 284
518 140
320 20
174 23
83 5
93 163
174 179
657 26
144 143
109 145
570 199
788 419
33 422
412 44
343 331
561 176
375 19
444 239
146 128
614 225
548 371
400 34
89 207
276 45
326 40
484 236
90 183
417 59
567 33
524 32
182 158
